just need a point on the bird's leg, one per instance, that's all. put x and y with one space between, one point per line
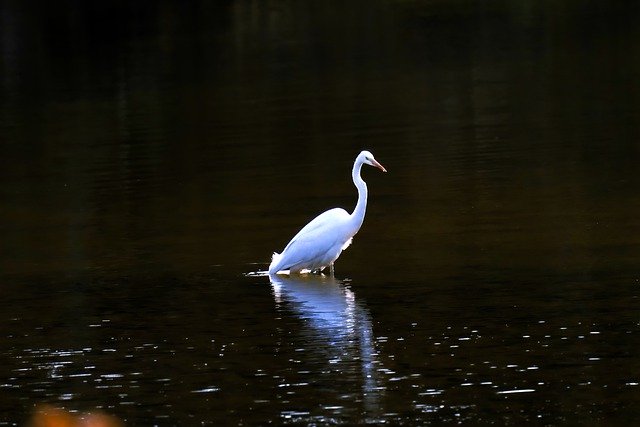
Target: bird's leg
331 269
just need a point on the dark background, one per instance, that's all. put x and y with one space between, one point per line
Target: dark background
152 153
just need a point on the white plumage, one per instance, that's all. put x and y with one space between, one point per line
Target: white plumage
321 241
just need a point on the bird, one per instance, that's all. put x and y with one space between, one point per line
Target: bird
319 243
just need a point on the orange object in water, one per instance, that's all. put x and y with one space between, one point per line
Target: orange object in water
50 416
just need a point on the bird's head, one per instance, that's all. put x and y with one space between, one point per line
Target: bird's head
367 158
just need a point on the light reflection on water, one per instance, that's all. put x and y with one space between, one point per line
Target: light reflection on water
316 349
337 329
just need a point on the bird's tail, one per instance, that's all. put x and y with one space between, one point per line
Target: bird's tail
275 260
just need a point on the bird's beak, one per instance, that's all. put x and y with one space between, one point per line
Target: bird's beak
378 165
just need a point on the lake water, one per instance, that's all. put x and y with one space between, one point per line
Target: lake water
155 154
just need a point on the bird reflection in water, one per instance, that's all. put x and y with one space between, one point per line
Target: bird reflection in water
339 328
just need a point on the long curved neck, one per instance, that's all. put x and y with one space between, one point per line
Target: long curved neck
357 217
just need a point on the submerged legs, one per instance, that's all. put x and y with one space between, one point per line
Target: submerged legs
321 269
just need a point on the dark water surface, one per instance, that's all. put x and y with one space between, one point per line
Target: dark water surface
154 154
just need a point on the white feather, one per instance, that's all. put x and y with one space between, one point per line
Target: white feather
319 243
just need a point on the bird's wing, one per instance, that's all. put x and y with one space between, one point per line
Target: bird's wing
317 237
325 221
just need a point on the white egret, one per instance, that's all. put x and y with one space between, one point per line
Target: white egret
320 242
